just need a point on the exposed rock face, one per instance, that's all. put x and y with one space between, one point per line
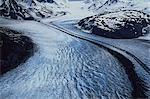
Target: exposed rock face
101 6
29 10
15 49
11 9
97 4
109 2
49 1
119 24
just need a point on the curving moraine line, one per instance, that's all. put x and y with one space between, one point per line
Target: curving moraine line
144 41
139 86
104 44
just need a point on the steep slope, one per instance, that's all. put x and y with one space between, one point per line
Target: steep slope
119 24
92 4
27 10
11 9
108 3
15 49
101 6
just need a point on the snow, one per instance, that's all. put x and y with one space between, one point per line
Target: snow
1 2
119 24
147 36
97 6
131 45
66 67
63 67
35 10
74 12
134 46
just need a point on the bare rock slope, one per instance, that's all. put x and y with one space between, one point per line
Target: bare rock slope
15 49
119 24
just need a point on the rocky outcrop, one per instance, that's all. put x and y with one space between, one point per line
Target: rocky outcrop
15 49
33 10
11 9
101 6
119 24
49 1
108 3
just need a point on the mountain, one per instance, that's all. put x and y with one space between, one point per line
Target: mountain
108 3
11 9
119 24
92 4
29 10
101 6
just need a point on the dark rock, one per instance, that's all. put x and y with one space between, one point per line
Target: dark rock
15 49
50 1
18 10
11 9
120 24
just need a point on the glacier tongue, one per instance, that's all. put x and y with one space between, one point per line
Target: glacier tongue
64 67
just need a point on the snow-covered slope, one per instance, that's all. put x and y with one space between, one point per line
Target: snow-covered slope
22 9
113 5
92 4
116 18
119 24
11 9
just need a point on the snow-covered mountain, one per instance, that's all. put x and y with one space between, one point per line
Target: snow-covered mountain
92 4
30 9
118 24
101 6
11 9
